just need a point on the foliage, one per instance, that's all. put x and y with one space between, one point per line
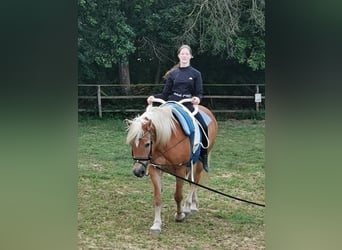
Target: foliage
116 208
250 44
148 32
231 28
104 36
212 25
156 28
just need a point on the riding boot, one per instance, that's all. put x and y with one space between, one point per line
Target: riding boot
204 151
204 159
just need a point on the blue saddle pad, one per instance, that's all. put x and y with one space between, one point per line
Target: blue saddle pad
188 126
206 117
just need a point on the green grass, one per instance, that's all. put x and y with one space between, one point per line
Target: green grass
116 208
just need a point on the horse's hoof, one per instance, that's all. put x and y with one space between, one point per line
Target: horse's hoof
186 210
194 208
180 217
155 231
156 228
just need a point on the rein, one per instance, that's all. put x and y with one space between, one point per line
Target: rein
149 157
162 153
208 188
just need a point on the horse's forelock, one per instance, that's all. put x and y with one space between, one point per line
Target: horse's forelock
134 130
162 120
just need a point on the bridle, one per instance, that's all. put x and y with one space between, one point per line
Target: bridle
142 160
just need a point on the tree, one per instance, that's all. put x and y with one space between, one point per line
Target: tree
156 25
143 35
104 37
250 43
231 28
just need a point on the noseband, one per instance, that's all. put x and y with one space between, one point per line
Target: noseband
149 157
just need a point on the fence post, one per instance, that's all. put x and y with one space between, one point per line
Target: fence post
257 98
99 100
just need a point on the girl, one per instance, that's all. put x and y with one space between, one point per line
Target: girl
184 81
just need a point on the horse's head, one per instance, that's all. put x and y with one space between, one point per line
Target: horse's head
140 137
155 125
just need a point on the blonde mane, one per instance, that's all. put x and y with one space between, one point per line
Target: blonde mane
162 120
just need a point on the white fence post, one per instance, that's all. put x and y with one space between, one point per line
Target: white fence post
257 98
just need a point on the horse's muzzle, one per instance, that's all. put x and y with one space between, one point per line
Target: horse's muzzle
139 169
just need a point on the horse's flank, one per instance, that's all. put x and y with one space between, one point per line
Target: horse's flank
162 120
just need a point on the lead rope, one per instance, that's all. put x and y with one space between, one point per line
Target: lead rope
208 188
192 171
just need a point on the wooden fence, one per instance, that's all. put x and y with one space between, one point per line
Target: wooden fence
100 93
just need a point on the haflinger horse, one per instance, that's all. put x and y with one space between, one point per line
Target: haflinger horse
158 140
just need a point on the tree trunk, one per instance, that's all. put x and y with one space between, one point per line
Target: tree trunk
124 78
157 75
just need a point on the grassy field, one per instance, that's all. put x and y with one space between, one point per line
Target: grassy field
116 208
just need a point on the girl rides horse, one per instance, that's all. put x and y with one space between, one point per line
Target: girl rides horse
159 143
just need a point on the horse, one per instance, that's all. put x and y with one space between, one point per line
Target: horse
157 140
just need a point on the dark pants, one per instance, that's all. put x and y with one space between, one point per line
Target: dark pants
204 132
200 119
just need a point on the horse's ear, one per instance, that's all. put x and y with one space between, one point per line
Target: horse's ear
146 124
149 127
128 123
149 124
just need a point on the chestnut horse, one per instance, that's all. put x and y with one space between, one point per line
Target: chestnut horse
157 139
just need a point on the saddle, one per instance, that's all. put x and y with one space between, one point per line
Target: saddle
190 127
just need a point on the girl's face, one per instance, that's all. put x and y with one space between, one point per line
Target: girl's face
184 56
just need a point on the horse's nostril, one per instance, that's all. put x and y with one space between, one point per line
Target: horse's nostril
139 172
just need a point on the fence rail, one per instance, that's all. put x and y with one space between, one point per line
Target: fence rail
98 92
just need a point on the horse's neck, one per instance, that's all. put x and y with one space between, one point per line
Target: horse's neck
177 150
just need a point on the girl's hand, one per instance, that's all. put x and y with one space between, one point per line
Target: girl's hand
195 100
150 99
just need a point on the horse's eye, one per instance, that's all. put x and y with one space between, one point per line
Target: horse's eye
147 145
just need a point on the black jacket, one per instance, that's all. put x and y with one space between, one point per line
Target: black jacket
182 83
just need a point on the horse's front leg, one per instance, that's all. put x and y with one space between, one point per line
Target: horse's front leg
180 215
155 176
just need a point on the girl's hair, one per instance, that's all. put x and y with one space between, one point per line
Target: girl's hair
166 75
184 46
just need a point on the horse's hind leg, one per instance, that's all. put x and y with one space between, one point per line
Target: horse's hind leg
180 215
156 181
195 202
188 201
191 202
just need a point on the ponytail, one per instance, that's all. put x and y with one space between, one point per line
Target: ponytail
166 75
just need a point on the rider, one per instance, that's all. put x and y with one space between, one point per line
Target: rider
184 81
